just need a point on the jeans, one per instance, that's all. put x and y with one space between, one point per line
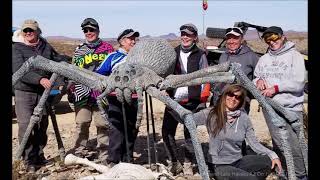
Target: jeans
117 144
25 102
83 120
169 127
250 167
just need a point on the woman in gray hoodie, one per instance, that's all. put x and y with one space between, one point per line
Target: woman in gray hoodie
280 75
228 126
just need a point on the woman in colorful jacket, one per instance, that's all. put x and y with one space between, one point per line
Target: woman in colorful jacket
228 126
89 55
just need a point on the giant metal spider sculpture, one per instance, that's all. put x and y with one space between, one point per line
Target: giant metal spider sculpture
147 68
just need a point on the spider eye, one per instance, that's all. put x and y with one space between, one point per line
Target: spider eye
133 72
127 72
117 78
125 78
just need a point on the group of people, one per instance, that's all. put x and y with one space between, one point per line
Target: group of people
279 74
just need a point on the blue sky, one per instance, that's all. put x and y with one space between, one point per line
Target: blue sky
63 18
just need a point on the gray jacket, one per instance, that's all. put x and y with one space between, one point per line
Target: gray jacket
225 147
246 57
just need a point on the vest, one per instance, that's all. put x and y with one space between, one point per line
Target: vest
192 65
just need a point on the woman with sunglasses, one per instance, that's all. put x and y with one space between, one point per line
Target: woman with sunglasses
29 89
228 126
89 55
280 75
118 145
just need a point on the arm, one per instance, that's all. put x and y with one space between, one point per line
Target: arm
205 88
105 67
31 77
201 117
255 144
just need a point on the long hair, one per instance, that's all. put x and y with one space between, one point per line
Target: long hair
217 116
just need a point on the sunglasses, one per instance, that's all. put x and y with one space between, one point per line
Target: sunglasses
26 30
238 97
234 29
88 29
189 28
272 37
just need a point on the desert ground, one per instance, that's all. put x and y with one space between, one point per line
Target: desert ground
65 119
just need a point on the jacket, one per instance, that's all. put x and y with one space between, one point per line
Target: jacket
88 56
20 54
285 69
196 60
225 147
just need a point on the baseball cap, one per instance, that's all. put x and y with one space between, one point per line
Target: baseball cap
128 33
189 28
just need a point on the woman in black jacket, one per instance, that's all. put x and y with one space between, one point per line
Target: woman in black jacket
28 91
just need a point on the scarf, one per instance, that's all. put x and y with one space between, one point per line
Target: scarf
276 52
233 115
31 44
187 49
93 44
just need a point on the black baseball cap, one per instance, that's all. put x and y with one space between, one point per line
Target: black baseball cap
273 29
90 22
128 33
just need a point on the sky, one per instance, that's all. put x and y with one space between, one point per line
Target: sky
63 18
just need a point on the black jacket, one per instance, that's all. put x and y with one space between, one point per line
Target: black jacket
20 53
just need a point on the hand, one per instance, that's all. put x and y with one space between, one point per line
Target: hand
45 83
278 163
261 84
164 93
269 92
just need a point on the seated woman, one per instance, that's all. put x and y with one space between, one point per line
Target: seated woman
228 125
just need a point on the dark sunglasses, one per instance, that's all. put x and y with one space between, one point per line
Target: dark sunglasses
89 22
27 30
189 28
88 29
235 29
231 94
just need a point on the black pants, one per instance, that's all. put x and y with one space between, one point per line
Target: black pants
25 102
250 167
117 143
169 127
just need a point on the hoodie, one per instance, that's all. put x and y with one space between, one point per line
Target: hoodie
286 70
226 146
246 57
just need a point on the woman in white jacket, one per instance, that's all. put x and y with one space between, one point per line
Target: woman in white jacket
280 75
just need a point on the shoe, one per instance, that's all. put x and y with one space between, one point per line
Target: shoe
175 168
31 168
187 169
111 164
42 161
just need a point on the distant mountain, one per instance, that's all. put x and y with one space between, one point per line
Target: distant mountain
62 38
170 36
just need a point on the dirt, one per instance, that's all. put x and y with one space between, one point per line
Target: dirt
65 118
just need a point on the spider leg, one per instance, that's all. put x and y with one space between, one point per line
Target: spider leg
82 76
119 94
187 116
139 91
218 77
171 80
127 95
100 99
